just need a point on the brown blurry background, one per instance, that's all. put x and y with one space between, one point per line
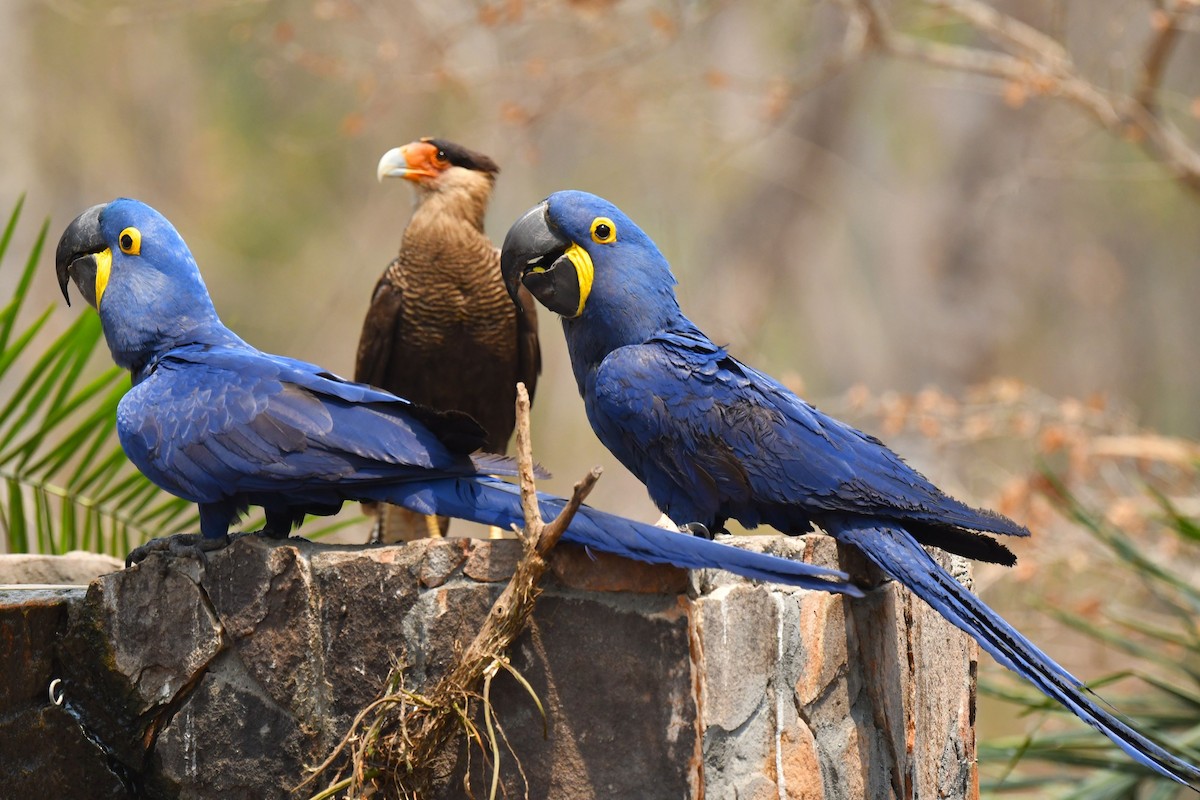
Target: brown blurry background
893 225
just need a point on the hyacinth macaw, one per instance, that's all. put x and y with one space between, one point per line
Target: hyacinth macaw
715 440
215 421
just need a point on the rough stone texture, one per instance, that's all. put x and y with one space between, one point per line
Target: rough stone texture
878 691
227 678
44 752
134 647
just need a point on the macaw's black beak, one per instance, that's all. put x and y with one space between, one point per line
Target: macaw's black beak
82 243
536 254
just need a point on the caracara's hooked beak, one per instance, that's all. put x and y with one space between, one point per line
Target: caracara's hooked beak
84 257
413 162
553 268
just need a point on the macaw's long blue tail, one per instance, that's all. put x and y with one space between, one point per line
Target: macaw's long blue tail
895 552
494 502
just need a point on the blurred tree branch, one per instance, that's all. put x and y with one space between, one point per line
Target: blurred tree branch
1030 62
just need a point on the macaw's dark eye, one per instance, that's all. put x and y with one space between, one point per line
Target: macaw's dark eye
130 241
603 231
441 156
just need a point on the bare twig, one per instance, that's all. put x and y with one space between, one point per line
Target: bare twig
1041 65
533 517
1167 23
403 738
1005 30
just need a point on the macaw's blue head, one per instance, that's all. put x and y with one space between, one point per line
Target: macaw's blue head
132 266
583 259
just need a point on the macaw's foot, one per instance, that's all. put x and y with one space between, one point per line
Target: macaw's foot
268 532
181 544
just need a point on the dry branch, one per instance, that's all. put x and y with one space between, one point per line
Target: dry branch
396 740
1038 63
1167 23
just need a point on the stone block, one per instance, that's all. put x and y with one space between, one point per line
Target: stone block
140 640
613 674
229 740
227 677
265 600
43 749
30 624
46 754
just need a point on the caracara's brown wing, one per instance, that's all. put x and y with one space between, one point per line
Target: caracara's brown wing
377 342
529 350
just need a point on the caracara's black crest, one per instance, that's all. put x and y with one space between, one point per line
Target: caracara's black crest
460 156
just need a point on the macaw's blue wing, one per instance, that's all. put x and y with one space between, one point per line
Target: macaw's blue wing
729 441
229 427
209 422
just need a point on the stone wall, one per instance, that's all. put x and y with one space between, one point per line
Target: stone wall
227 679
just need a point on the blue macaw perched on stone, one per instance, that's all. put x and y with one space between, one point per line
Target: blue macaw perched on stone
714 439
215 421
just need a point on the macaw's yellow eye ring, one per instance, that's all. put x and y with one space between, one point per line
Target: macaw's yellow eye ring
604 231
130 241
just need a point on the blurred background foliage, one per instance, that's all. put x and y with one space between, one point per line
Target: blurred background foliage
889 223
862 225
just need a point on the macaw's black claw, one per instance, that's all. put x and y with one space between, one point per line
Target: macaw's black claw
192 545
697 529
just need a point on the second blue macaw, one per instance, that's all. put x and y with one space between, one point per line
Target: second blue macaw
216 421
714 439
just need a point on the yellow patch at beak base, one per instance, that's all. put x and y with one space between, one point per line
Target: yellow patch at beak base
103 267
584 270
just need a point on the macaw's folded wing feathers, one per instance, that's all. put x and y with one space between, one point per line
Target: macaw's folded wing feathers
728 436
